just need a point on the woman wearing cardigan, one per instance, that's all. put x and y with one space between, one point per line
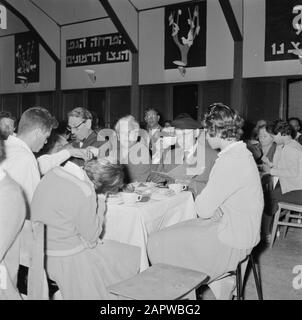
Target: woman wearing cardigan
66 201
288 167
229 207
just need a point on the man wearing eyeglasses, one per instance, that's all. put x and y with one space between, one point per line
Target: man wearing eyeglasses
79 124
153 128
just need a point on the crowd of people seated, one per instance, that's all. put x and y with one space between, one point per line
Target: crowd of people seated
64 184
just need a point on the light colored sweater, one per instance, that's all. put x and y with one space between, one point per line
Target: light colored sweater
234 188
289 167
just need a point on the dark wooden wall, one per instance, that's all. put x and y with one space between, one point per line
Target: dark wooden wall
264 98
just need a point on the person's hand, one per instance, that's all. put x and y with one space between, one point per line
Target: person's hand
93 150
129 188
266 161
84 154
157 178
266 168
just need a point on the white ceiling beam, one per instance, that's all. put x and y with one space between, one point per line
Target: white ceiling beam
47 30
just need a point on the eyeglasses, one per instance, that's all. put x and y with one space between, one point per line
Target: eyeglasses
149 116
69 128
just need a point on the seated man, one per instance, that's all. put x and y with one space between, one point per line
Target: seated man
152 126
192 158
133 154
12 216
80 125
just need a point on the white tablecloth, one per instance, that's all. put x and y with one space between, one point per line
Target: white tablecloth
133 224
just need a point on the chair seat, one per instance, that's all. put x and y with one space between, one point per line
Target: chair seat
160 282
285 209
290 206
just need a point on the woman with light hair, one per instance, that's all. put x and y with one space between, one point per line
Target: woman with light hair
132 153
66 201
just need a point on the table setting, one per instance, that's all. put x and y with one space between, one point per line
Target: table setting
143 208
144 192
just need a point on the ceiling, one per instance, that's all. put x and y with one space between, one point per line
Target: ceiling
72 11
14 25
148 4
64 12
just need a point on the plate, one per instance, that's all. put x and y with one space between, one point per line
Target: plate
144 188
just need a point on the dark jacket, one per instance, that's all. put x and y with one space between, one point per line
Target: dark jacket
90 141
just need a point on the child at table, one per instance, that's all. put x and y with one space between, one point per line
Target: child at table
66 201
229 209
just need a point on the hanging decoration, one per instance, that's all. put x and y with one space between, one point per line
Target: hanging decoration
185 36
26 58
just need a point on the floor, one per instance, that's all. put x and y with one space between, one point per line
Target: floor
276 269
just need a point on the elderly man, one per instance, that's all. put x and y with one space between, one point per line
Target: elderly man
7 125
80 125
133 154
192 158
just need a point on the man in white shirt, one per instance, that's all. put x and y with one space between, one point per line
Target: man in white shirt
34 128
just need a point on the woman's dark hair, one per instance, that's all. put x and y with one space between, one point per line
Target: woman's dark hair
223 121
106 175
283 127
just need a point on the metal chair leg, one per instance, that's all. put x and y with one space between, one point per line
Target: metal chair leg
238 283
256 278
276 219
286 219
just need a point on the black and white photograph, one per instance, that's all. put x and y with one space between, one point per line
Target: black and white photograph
150 155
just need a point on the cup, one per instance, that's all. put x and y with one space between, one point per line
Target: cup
177 187
131 197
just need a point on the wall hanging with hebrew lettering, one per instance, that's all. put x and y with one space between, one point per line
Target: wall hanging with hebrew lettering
26 58
185 35
283 29
108 48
